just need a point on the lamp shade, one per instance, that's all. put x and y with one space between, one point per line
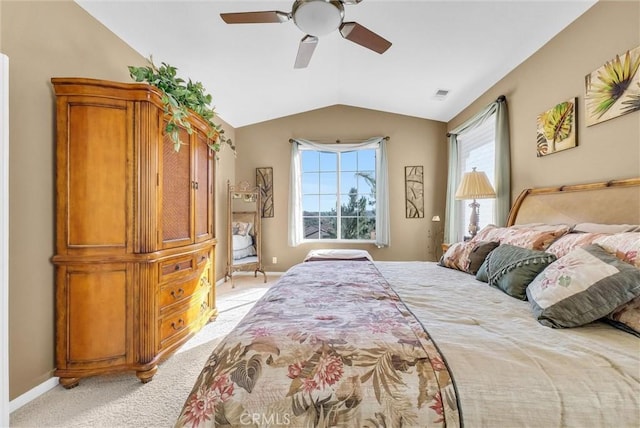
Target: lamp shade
475 185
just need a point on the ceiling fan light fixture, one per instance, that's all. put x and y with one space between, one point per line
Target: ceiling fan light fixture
317 17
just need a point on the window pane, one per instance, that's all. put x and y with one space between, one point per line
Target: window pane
349 228
368 228
327 205
311 228
310 205
349 161
310 160
369 206
348 181
366 182
352 205
328 183
310 183
328 161
328 227
358 228
367 160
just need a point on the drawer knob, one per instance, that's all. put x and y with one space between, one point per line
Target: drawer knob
177 267
178 325
177 294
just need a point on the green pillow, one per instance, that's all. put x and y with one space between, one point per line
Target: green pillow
512 268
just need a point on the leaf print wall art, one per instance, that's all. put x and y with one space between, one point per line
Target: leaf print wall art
264 179
556 128
613 89
414 191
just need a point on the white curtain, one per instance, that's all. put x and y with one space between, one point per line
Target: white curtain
502 165
382 185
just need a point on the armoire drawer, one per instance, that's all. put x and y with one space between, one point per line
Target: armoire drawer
179 291
177 266
202 257
175 325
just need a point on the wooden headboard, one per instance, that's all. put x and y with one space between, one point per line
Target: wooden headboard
611 202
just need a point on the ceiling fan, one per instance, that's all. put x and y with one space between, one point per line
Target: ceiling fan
315 18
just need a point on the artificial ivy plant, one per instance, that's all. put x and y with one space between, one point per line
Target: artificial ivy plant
180 96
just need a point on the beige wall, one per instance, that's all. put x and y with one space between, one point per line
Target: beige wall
556 73
412 141
43 40
46 39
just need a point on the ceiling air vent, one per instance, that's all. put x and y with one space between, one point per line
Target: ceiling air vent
441 94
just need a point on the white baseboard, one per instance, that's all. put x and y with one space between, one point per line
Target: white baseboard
32 394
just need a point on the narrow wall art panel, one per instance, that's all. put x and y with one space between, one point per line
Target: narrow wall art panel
613 89
556 128
414 191
264 179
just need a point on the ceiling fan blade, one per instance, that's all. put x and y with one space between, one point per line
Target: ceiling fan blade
305 50
255 17
351 1
363 36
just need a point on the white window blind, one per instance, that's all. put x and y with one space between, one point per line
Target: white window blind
476 148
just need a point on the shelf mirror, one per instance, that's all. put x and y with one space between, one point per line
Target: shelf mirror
244 234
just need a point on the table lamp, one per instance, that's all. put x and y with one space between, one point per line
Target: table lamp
474 185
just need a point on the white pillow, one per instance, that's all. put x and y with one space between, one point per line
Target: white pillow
337 254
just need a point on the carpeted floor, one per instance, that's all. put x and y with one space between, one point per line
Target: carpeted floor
121 400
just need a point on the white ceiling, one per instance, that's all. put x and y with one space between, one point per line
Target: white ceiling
464 47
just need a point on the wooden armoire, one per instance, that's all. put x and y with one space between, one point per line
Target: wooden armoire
135 232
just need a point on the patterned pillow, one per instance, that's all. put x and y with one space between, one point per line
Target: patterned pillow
457 256
535 237
567 243
512 268
466 256
581 287
627 317
491 233
241 228
625 246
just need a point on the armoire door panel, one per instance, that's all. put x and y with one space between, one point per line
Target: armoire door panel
203 189
176 191
97 148
97 298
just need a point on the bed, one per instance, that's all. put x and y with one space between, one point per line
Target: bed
344 341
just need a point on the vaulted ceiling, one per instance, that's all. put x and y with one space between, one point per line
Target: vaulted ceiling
463 47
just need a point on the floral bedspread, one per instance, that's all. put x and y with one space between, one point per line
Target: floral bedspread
329 345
